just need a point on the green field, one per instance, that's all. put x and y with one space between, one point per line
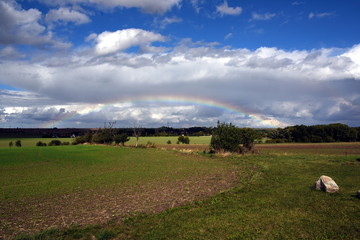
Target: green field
33 177
104 192
163 140
31 142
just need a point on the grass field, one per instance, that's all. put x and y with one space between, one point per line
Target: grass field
98 192
31 142
44 187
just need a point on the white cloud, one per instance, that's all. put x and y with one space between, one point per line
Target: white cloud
354 55
163 23
19 26
111 42
229 35
265 16
196 5
147 6
320 15
315 86
296 3
224 9
65 15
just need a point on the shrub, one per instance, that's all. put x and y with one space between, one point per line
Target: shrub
248 137
226 138
229 138
65 143
11 144
104 136
87 138
106 235
55 143
150 144
18 143
121 139
168 142
183 139
40 144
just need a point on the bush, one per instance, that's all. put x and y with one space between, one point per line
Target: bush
248 137
55 143
150 145
87 138
121 139
65 143
183 139
40 144
106 235
229 138
18 143
168 142
226 138
11 144
104 136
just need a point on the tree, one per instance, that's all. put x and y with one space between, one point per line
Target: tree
137 132
11 144
121 138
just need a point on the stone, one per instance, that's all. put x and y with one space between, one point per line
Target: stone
326 184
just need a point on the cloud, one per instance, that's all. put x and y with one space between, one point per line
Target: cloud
265 16
146 6
196 5
19 26
10 53
229 35
163 23
296 3
295 87
320 15
111 42
354 55
224 9
65 15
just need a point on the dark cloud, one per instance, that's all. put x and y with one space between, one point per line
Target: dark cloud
19 26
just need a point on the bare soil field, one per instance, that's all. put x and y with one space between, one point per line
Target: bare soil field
312 148
298 148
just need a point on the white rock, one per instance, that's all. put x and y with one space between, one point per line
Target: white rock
326 184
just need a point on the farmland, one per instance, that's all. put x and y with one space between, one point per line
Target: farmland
85 191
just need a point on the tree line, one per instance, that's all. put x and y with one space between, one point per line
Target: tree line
336 132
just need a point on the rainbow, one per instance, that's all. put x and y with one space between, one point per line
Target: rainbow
261 120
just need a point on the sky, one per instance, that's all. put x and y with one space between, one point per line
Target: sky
179 63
